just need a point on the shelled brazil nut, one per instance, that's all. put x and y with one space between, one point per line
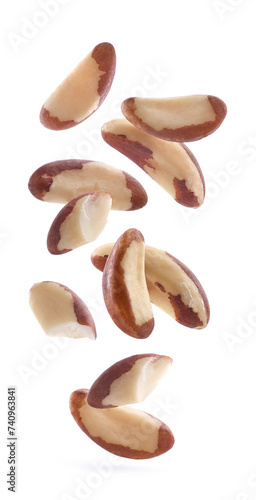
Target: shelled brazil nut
172 165
82 91
124 286
181 119
128 381
62 181
60 312
79 222
123 431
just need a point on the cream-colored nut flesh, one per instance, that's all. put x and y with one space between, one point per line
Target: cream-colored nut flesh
170 164
60 312
124 286
171 285
99 255
123 431
186 118
82 91
175 289
62 181
79 222
128 381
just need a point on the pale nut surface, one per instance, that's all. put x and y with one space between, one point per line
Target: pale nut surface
60 312
62 181
128 381
181 119
82 91
79 222
171 164
171 285
124 286
123 431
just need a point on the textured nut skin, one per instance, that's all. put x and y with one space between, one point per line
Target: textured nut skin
181 119
171 285
56 306
124 286
123 378
61 181
69 218
82 91
137 435
172 165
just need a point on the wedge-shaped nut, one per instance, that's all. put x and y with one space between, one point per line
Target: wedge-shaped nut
79 222
171 285
187 118
170 164
123 431
62 181
60 312
99 255
124 286
128 381
82 91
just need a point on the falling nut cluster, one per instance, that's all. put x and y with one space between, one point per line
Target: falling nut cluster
152 135
134 274
102 412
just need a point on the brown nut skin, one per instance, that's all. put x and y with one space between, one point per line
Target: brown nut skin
172 286
127 300
69 230
183 297
181 119
172 165
128 381
62 181
99 255
60 311
123 431
82 91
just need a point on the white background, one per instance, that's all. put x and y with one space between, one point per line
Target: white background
208 397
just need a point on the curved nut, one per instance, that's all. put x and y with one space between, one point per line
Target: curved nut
79 222
128 381
123 431
124 286
171 285
82 91
60 312
62 181
180 119
170 164
175 289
